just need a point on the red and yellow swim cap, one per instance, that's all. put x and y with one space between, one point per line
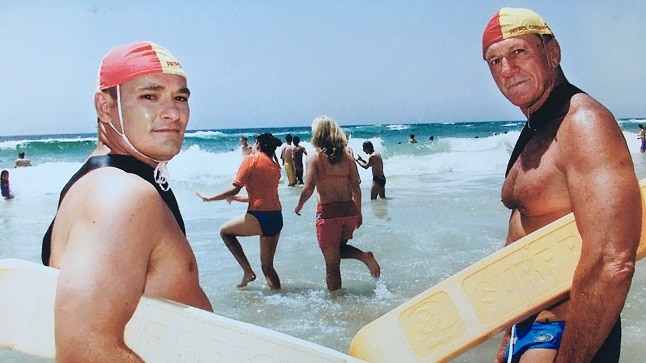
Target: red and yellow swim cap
126 62
512 22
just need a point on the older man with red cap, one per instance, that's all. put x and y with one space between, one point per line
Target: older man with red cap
571 156
118 233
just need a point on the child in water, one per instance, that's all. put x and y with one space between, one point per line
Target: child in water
4 184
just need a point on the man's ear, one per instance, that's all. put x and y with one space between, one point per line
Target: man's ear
554 53
102 104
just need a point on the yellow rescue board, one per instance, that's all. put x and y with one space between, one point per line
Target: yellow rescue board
159 331
480 301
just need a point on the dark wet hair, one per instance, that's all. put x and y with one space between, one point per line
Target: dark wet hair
297 140
268 143
288 137
368 144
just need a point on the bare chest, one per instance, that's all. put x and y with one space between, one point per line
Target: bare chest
535 186
172 263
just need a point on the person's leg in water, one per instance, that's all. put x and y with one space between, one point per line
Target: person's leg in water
382 191
349 251
242 226
377 190
268 246
299 175
374 191
332 256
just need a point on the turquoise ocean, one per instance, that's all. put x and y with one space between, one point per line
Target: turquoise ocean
442 213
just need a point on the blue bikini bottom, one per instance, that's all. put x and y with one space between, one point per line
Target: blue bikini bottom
271 222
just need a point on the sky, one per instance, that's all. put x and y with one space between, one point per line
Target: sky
254 64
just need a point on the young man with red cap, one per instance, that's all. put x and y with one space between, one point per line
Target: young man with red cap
118 233
571 156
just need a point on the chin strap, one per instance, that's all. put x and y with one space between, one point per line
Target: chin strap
160 174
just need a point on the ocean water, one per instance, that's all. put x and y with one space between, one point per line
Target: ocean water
442 213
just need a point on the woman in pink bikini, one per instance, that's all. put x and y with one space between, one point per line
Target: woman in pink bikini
333 172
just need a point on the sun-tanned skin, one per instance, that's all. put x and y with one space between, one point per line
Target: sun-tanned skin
114 238
376 162
247 225
333 190
259 174
583 167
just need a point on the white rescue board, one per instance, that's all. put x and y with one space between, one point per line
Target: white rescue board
159 331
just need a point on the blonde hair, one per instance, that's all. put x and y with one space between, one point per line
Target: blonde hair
329 138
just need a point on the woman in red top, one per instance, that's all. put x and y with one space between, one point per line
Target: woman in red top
259 174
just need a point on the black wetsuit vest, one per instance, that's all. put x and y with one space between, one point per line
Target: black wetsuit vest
127 164
555 106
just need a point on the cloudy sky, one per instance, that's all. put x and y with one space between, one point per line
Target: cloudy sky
281 63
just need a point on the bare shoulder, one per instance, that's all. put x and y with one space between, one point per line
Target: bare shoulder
590 136
589 122
587 112
105 205
111 189
313 158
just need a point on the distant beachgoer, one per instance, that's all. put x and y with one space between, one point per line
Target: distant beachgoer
4 184
299 151
431 139
332 171
287 156
259 174
22 161
118 233
348 148
412 139
245 148
376 162
552 173
642 137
